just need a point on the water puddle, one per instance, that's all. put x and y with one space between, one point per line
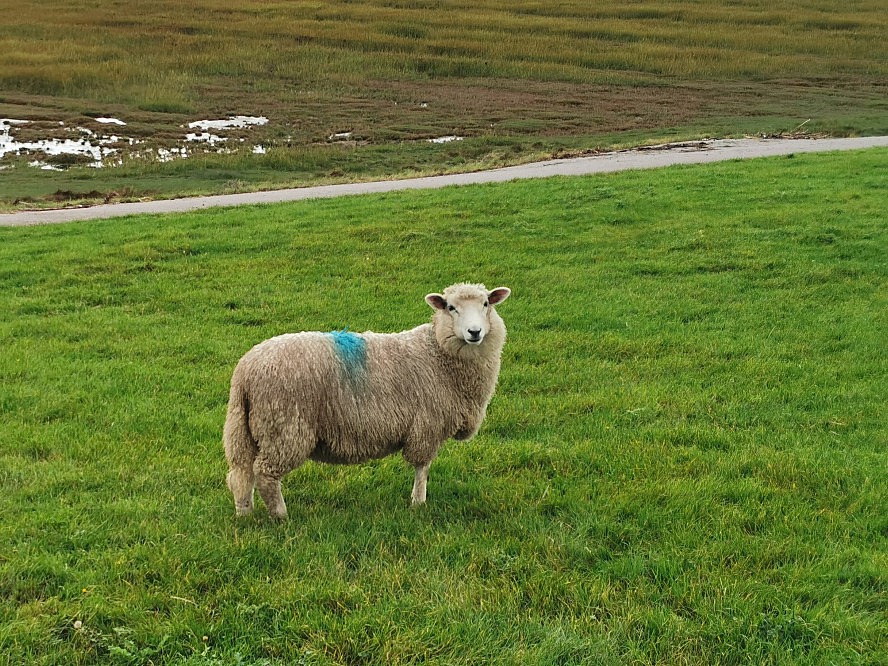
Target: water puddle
91 149
170 154
205 137
85 147
232 122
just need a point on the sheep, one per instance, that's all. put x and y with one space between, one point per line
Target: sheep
347 398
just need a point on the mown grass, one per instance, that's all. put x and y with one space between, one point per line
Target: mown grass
538 78
684 462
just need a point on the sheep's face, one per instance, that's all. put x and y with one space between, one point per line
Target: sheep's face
469 308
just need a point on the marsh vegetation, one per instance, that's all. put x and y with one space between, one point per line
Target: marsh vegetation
354 90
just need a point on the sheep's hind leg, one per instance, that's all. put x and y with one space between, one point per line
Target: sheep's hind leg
278 456
241 483
418 496
270 490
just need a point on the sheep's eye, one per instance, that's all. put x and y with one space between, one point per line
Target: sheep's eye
451 308
485 304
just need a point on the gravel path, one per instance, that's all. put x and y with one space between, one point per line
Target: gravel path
698 152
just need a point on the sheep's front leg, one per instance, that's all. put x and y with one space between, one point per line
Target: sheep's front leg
418 496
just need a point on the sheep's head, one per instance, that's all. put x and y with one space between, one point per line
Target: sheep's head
469 308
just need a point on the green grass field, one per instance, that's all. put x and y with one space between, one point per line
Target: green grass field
518 80
684 462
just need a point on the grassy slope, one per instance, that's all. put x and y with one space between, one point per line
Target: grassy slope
684 461
519 81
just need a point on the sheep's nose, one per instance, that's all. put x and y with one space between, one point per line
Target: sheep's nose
474 333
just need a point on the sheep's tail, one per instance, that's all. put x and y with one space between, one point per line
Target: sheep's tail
240 446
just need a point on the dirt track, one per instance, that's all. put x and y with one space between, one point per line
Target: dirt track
647 158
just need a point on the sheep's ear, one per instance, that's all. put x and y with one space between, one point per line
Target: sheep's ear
498 295
436 301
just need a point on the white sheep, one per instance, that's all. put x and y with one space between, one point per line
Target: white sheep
347 398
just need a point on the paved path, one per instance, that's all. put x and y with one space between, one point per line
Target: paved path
698 152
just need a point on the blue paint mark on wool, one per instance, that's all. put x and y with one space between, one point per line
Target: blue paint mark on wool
351 349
